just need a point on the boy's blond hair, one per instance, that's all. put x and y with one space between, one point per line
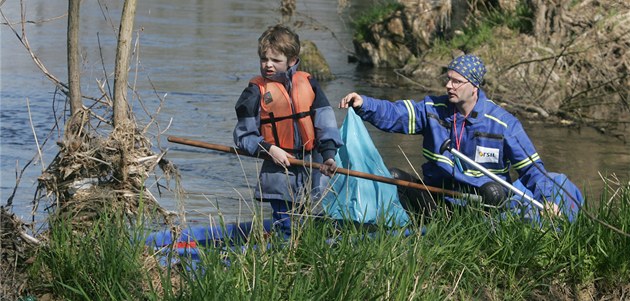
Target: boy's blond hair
280 39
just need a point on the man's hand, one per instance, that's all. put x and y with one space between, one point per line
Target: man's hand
279 156
329 167
353 99
552 210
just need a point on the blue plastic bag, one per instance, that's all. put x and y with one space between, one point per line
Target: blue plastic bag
361 200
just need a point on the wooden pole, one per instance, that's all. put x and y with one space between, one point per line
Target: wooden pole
344 171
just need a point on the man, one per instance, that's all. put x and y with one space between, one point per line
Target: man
476 126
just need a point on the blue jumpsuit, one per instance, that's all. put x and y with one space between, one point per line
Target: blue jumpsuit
490 135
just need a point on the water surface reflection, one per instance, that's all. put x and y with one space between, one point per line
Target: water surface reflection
199 55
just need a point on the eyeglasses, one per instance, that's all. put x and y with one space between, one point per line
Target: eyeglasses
455 83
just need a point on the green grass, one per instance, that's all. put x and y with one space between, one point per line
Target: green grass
99 263
519 20
466 253
480 30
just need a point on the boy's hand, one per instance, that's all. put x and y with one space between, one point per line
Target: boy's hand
329 167
279 156
351 100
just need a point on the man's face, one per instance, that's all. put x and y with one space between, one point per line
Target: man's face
459 89
273 62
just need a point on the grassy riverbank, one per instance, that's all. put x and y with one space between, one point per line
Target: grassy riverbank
464 254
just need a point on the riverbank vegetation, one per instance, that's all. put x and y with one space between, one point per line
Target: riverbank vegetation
464 254
100 209
564 61
103 158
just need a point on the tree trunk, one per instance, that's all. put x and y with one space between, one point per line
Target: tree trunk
121 73
74 67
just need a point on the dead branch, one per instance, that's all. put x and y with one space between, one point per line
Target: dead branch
415 83
539 60
526 107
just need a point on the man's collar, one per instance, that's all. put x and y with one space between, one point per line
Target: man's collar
479 107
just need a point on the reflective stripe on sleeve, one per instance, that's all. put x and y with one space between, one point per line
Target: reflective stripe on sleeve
436 157
527 161
477 174
497 120
412 116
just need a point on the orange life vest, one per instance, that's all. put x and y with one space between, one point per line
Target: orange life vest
278 112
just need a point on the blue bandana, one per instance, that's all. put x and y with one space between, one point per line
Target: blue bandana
469 66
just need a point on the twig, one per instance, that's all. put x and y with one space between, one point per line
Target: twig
35 22
525 107
415 171
29 238
423 87
606 182
107 17
108 97
99 117
170 122
18 179
415 287
538 60
456 284
24 40
39 150
18 227
621 76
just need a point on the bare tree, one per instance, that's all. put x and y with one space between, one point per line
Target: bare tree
121 73
74 72
92 173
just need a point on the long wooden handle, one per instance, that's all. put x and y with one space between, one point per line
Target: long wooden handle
314 165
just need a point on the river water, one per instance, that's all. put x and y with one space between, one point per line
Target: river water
198 55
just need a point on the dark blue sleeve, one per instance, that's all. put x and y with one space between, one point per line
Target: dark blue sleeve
246 133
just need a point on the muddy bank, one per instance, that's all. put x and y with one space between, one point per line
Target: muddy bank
566 62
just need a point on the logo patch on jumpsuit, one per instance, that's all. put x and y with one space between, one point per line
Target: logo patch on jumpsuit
486 155
267 98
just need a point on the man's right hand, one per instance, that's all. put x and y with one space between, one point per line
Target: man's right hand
351 100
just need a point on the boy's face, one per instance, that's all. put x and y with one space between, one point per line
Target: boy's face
273 62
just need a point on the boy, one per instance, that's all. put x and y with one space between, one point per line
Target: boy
285 114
